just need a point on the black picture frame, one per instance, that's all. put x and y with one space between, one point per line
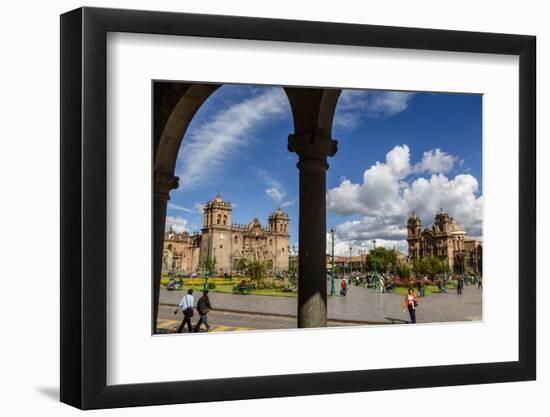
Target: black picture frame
84 207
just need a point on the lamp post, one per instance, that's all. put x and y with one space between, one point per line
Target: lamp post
332 290
296 260
173 265
444 262
374 260
208 262
289 252
350 267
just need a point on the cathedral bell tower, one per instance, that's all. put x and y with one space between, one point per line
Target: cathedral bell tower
217 213
414 227
414 234
442 223
278 222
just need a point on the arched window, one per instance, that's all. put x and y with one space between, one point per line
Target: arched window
219 219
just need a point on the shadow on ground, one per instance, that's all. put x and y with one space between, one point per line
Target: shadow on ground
49 392
396 321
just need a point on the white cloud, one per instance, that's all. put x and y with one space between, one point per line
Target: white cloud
342 243
389 193
458 196
435 161
276 194
177 223
289 203
199 207
275 189
180 208
209 146
379 194
353 105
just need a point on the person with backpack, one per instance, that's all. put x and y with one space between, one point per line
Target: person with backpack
186 305
203 307
343 287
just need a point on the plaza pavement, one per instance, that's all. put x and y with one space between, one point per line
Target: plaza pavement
360 306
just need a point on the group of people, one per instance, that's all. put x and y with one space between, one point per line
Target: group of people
410 302
381 282
187 307
462 281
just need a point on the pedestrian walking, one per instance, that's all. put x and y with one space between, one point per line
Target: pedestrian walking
410 303
343 287
479 284
459 285
186 306
203 307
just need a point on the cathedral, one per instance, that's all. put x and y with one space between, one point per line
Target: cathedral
227 243
446 240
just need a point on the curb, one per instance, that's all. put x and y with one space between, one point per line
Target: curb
259 313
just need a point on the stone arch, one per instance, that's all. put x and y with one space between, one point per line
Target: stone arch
175 105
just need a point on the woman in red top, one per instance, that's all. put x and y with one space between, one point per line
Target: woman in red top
343 286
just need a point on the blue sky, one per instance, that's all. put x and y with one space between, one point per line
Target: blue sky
397 152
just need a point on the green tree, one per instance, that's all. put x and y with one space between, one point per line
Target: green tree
385 260
210 265
256 270
403 270
242 265
432 265
417 267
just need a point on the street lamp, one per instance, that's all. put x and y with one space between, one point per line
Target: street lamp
332 290
208 263
374 260
173 265
444 272
350 267
289 251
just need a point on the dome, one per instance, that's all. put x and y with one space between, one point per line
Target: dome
218 198
279 213
442 216
414 219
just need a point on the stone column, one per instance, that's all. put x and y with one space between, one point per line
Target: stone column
163 185
312 150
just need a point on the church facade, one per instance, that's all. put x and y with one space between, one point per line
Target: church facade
446 240
226 243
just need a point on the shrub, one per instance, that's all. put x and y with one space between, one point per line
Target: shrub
269 284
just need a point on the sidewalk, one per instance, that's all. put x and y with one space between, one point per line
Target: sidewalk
361 306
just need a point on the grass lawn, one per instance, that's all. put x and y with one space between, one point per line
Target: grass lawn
228 289
430 289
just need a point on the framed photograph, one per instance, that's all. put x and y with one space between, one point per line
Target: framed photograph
259 208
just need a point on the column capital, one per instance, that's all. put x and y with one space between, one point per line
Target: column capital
312 146
165 183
